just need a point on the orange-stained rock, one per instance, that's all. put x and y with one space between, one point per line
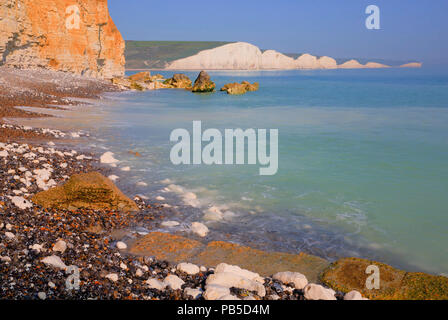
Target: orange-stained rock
76 36
178 249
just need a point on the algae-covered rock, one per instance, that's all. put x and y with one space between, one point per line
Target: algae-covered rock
203 83
240 88
350 274
179 81
89 190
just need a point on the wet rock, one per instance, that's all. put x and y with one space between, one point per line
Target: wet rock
199 229
141 76
121 245
170 224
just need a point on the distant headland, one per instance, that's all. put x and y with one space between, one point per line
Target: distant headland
185 55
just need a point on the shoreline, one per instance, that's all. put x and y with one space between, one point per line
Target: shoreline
134 276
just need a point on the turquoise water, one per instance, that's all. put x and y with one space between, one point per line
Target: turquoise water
362 161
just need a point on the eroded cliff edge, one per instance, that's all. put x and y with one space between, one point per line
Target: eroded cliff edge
76 36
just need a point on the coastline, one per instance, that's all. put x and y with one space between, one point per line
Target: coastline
132 283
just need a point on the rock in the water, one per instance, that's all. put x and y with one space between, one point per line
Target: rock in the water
317 292
170 224
174 282
188 268
240 88
179 81
121 245
298 279
203 83
108 158
89 190
199 228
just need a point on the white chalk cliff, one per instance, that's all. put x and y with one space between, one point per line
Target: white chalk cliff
245 56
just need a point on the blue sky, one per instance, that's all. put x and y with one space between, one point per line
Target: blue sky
410 29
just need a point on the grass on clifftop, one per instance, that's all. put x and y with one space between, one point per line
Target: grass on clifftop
157 54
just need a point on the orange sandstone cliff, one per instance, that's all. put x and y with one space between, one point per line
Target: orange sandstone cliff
76 36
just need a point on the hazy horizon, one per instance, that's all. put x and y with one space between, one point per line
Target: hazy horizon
414 31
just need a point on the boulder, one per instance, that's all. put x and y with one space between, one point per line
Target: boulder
188 268
317 292
179 81
298 279
88 190
240 88
348 274
203 83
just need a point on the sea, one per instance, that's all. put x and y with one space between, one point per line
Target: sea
362 161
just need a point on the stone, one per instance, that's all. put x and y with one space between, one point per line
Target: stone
64 35
188 268
174 282
318 292
10 235
155 284
60 246
121 245
298 279
54 261
112 277
199 229
224 267
194 293
21 202
203 83
179 81
42 295
233 280
229 297
88 190
215 292
353 295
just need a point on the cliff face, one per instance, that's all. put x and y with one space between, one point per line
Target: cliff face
76 36
245 56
